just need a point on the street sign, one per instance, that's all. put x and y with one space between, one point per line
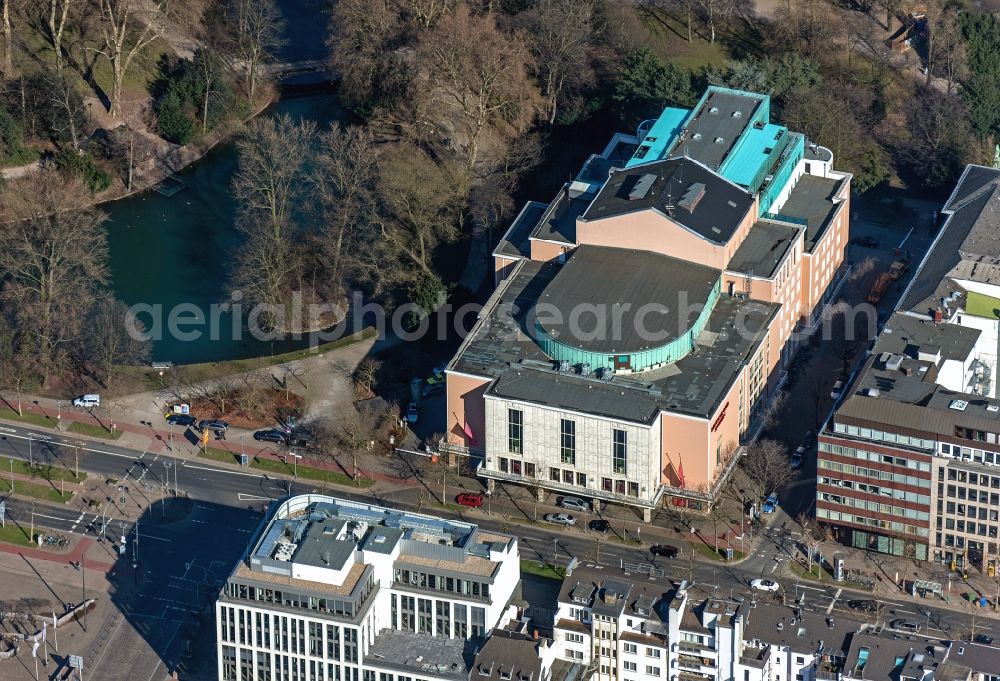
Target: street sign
75 662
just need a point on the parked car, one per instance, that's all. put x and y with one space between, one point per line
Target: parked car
798 456
271 435
982 638
771 503
764 585
837 391
470 499
560 518
575 503
181 420
599 525
87 401
664 550
218 425
866 241
905 625
411 413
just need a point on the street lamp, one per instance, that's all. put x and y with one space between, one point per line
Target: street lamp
295 464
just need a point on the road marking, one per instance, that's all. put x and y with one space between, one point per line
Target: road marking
812 588
222 470
835 597
52 517
149 536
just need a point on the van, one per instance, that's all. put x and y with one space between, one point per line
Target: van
574 503
87 401
905 625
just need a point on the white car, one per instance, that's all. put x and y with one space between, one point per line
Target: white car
574 503
87 401
838 388
560 518
764 585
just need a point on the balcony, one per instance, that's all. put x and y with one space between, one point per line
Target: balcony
694 649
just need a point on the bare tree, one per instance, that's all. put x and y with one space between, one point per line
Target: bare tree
715 11
343 180
58 17
54 254
365 375
560 36
8 41
115 340
127 28
479 70
68 115
427 12
766 467
273 151
419 197
258 25
363 38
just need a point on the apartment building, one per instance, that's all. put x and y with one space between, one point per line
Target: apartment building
335 590
629 627
644 318
908 464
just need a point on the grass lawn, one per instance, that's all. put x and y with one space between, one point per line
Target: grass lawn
35 491
12 534
46 472
274 466
710 552
94 430
29 417
533 567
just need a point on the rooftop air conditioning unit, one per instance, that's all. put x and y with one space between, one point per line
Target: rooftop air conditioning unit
958 405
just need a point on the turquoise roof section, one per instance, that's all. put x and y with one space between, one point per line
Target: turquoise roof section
755 150
660 137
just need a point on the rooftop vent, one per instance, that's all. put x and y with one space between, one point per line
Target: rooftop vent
895 361
563 365
719 140
713 110
993 408
585 369
737 114
958 405
691 197
380 539
642 187
871 392
696 136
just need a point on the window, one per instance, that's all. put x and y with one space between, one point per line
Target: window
630 648
574 638
567 441
630 666
515 431
554 474
619 451
581 479
652 671
653 652
568 477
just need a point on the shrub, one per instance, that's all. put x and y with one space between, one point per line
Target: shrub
10 136
84 167
172 121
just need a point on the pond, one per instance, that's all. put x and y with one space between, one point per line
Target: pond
176 251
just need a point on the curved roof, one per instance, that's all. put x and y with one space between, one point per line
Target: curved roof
618 301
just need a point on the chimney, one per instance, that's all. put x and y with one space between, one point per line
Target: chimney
938 316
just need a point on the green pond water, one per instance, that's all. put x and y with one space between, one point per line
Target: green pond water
168 252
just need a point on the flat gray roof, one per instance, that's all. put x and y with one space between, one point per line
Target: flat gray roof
558 222
515 242
666 186
715 121
809 631
764 247
812 200
694 385
641 300
320 548
967 247
438 656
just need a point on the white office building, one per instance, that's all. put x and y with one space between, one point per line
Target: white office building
335 590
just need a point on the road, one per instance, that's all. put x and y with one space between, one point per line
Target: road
181 564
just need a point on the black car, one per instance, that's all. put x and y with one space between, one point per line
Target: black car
664 550
982 638
217 425
599 525
181 420
867 242
270 435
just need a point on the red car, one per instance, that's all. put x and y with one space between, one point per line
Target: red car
469 499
